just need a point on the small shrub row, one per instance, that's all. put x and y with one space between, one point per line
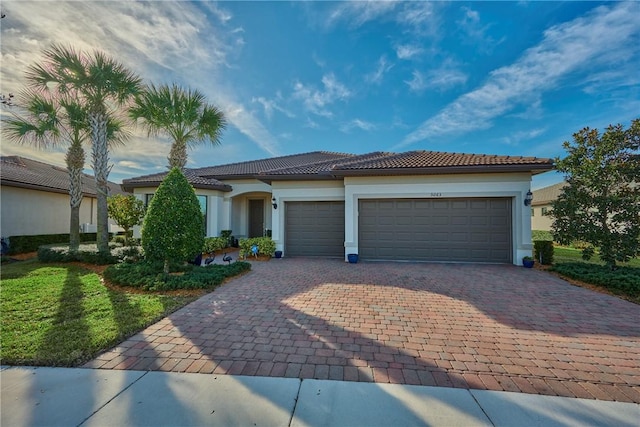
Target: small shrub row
212 244
621 280
543 251
265 245
23 244
149 275
88 253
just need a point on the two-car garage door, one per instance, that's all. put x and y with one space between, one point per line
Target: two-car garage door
468 230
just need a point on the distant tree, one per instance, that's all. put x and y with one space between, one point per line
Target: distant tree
100 85
173 228
182 114
127 211
601 203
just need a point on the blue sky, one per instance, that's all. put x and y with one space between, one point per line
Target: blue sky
509 78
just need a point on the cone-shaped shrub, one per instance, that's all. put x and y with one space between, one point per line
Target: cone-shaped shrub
173 229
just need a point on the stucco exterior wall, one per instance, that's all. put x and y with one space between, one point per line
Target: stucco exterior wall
28 212
514 186
540 221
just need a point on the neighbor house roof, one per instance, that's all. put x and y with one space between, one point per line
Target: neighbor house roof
17 171
546 195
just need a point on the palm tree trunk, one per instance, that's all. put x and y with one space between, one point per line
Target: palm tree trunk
100 155
75 164
178 155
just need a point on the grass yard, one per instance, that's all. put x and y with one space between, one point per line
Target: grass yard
62 315
566 254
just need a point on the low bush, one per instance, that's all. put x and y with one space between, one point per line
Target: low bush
86 253
149 275
23 244
537 235
212 244
543 251
622 280
265 245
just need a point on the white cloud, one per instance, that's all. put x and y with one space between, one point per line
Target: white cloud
315 100
525 135
476 32
382 68
565 48
357 124
442 78
271 105
408 51
357 13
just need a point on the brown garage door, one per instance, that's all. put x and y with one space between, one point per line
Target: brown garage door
468 230
314 229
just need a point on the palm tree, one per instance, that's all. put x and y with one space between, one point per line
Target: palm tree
182 114
100 85
46 122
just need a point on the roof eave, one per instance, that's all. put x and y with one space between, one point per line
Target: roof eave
320 176
441 170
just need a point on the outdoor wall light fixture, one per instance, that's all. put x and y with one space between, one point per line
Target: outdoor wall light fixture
528 198
273 202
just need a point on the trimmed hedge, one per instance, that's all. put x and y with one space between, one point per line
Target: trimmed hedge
212 244
541 235
543 251
89 254
23 244
149 276
623 279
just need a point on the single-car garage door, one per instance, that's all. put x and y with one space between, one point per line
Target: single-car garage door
314 229
467 230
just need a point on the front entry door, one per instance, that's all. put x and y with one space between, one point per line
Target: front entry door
256 218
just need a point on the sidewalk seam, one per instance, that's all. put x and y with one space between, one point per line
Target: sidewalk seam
295 405
110 400
481 408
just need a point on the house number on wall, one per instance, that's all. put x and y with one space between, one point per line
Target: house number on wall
436 194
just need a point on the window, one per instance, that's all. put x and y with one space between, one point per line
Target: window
545 211
203 208
533 210
147 200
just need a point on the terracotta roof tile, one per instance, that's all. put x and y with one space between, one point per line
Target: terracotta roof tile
195 179
435 159
255 167
17 171
326 166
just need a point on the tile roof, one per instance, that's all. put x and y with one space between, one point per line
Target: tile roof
441 162
255 167
195 179
322 169
17 171
546 195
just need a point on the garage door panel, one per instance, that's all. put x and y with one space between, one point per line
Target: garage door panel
314 229
474 230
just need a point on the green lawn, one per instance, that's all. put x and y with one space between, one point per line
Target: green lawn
566 254
62 315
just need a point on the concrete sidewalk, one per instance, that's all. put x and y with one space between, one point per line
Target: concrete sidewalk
91 397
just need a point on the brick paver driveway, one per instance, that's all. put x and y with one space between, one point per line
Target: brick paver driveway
494 327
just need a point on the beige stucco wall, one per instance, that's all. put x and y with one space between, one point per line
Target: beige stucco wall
28 212
539 221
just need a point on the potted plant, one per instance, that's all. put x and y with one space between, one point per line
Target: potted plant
527 262
353 258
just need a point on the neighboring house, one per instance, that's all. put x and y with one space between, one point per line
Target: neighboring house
418 205
35 198
541 206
